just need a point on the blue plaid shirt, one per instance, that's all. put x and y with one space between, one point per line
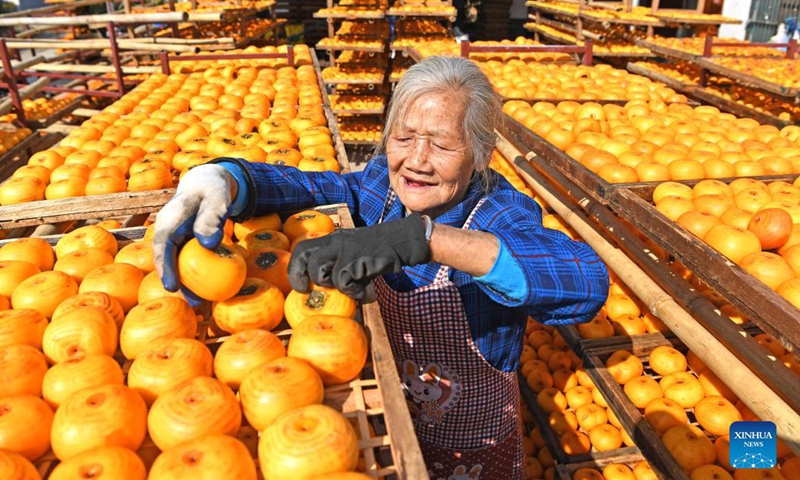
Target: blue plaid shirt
566 281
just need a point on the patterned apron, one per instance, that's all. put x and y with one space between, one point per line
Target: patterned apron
465 411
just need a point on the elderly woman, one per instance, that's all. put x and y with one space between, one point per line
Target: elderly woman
459 258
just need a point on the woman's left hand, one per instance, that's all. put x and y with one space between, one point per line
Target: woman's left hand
350 259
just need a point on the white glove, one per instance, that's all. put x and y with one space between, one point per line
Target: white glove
199 208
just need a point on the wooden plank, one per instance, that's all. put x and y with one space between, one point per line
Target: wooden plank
755 300
666 52
82 208
405 447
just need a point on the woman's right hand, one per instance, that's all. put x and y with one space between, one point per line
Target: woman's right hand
199 208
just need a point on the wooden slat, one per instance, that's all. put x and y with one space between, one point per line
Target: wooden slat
83 208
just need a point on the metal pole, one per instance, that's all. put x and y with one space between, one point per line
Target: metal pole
465 48
164 63
13 90
290 55
588 55
112 37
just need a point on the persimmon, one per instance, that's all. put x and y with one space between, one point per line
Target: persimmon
733 242
710 472
166 363
770 344
34 250
642 390
14 465
590 415
200 406
587 474
194 261
85 330
618 471
119 280
689 446
605 438
335 346
597 328
307 221
623 366
25 422
772 226
698 223
264 238
104 463
683 388
163 317
79 263
22 327
257 305
716 414
575 443
211 456
36 171
22 368
561 421
306 442
90 236
770 268
79 371
92 299
665 360
43 292
151 288
100 416
663 414
48 159
320 301
138 254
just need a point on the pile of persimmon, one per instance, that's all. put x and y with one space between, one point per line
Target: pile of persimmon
169 124
653 141
577 412
36 109
363 28
696 45
353 73
253 27
360 128
343 41
502 166
357 102
665 385
755 225
420 26
781 71
422 8
518 79
610 45
10 137
346 11
69 311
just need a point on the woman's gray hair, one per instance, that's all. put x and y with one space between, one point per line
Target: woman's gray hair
459 76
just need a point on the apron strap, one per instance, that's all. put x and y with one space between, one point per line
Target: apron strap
444 271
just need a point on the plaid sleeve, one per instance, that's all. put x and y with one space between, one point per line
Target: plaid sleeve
566 281
273 188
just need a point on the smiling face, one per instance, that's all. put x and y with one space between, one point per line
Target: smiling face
430 165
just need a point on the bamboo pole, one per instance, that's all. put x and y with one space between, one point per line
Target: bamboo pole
206 16
52 9
125 44
163 17
24 93
762 400
24 64
36 31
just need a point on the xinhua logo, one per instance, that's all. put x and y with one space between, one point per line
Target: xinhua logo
753 445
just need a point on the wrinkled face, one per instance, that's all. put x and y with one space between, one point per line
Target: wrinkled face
430 165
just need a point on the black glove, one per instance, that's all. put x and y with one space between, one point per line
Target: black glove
349 259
